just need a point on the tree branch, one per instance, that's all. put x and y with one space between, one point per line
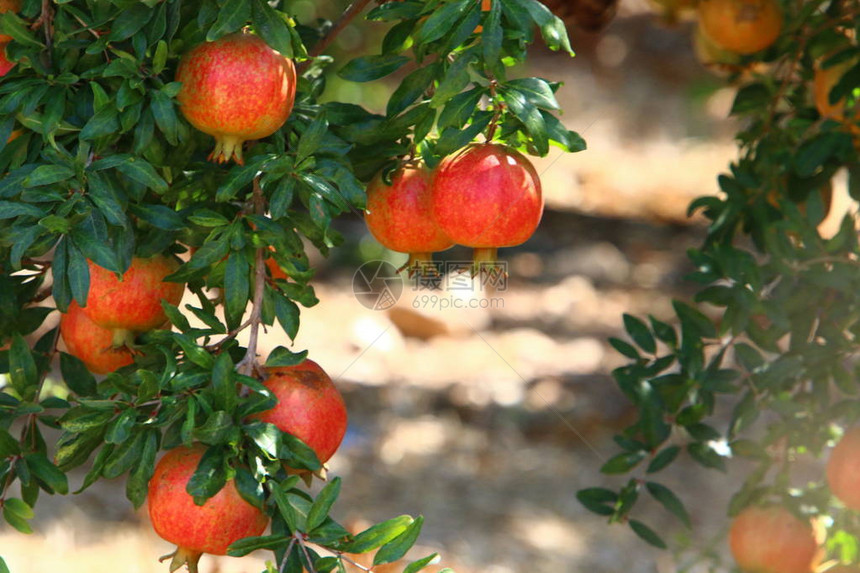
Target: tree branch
249 361
348 16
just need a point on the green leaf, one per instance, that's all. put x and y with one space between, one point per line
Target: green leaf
397 548
669 500
217 430
706 456
209 477
16 521
377 535
311 138
48 174
369 68
624 348
138 479
247 545
622 463
647 534
232 15
752 97
640 334
442 21
551 27
120 429
3 567
492 34
50 477
665 457
236 288
142 172
270 26
323 503
663 331
411 88
129 22
8 445
281 356
22 368
598 500
420 564
224 384
124 457
104 122
19 508
536 91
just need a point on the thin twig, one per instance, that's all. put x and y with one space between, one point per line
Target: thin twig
247 365
348 16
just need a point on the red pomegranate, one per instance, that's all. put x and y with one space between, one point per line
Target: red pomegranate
399 216
487 196
309 407
236 88
197 529
772 540
132 303
5 64
90 343
843 469
8 6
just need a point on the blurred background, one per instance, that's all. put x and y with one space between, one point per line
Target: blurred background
487 420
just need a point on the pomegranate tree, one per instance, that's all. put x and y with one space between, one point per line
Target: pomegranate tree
236 88
110 103
399 214
92 344
132 303
487 196
197 529
309 407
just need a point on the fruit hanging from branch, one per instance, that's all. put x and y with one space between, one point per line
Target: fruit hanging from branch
487 196
772 540
843 469
132 303
309 407
92 344
399 215
741 26
236 89
197 529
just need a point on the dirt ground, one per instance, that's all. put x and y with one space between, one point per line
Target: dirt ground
488 420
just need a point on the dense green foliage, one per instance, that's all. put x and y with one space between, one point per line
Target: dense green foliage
106 168
773 334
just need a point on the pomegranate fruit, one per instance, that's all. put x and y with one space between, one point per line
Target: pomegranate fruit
843 469
309 407
5 64
197 529
132 303
8 6
90 343
486 196
741 26
823 83
772 540
399 215
235 88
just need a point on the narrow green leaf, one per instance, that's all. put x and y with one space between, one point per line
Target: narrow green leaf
9 446
50 477
369 68
647 534
272 27
397 548
378 535
247 545
410 89
640 334
622 463
209 477
669 500
232 15
624 348
598 500
420 564
138 479
442 21
129 22
281 356
323 503
22 368
120 429
665 457
124 456
19 508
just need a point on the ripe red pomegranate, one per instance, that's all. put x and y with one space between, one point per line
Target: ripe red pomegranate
8 6
487 196
772 540
399 215
235 88
843 469
5 64
197 529
132 303
309 407
90 343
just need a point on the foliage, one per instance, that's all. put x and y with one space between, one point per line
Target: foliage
772 335
106 168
